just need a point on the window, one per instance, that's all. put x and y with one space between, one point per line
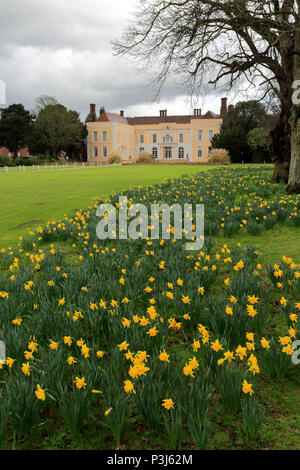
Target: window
210 134
167 139
181 138
95 152
154 152
208 151
104 151
200 135
141 138
104 136
168 152
119 137
95 136
181 152
142 149
200 152
154 139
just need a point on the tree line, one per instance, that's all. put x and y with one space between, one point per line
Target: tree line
47 130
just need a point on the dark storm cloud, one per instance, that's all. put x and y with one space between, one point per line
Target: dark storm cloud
63 48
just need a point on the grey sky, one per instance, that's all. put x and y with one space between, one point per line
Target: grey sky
63 48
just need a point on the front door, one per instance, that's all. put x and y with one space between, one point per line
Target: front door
168 152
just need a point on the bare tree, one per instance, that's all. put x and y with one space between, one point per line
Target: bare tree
229 41
41 102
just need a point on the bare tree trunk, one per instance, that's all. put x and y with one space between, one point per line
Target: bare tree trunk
294 175
281 136
280 148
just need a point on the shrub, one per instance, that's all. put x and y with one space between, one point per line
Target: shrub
25 161
44 158
220 156
114 158
5 160
145 157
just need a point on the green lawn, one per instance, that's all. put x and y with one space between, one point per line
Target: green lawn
280 241
29 199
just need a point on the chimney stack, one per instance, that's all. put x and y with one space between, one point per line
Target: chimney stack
92 115
122 113
223 111
197 112
163 112
102 110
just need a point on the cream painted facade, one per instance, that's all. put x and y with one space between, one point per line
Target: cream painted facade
168 138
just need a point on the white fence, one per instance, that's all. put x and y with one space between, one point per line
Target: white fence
54 166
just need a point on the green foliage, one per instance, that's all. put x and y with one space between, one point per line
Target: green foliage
149 404
174 428
75 408
56 129
275 363
229 385
199 432
4 417
253 416
5 160
232 137
15 127
22 405
246 117
199 397
258 140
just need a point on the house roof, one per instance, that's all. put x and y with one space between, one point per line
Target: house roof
146 120
111 117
